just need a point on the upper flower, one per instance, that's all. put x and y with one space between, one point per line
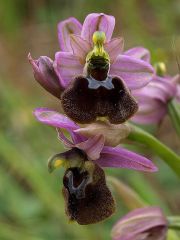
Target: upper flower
92 76
76 41
94 72
153 99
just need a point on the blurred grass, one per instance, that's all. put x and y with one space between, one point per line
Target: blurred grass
31 204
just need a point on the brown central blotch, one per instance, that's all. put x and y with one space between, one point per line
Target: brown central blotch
84 104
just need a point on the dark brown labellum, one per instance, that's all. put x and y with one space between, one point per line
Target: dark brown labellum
87 98
88 199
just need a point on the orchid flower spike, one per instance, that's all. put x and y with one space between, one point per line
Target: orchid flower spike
95 76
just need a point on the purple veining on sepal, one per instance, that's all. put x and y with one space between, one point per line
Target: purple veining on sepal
135 73
114 48
65 29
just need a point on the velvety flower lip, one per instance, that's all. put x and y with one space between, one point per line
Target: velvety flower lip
89 201
84 104
143 223
133 65
94 146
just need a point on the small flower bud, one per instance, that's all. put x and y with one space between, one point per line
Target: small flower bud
99 37
45 75
160 68
147 223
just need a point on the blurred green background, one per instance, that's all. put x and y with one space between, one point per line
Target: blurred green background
31 204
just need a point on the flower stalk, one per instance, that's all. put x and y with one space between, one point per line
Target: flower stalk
174 114
174 222
166 154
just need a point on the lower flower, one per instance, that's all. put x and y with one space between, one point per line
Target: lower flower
88 199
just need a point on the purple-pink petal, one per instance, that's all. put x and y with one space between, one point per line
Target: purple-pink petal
153 99
114 47
151 111
152 117
80 47
92 146
97 22
65 28
55 119
67 67
159 88
77 138
136 73
121 158
139 53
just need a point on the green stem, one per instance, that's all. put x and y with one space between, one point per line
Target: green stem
174 114
174 222
172 235
166 154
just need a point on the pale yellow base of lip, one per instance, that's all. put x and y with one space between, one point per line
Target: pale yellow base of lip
58 163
